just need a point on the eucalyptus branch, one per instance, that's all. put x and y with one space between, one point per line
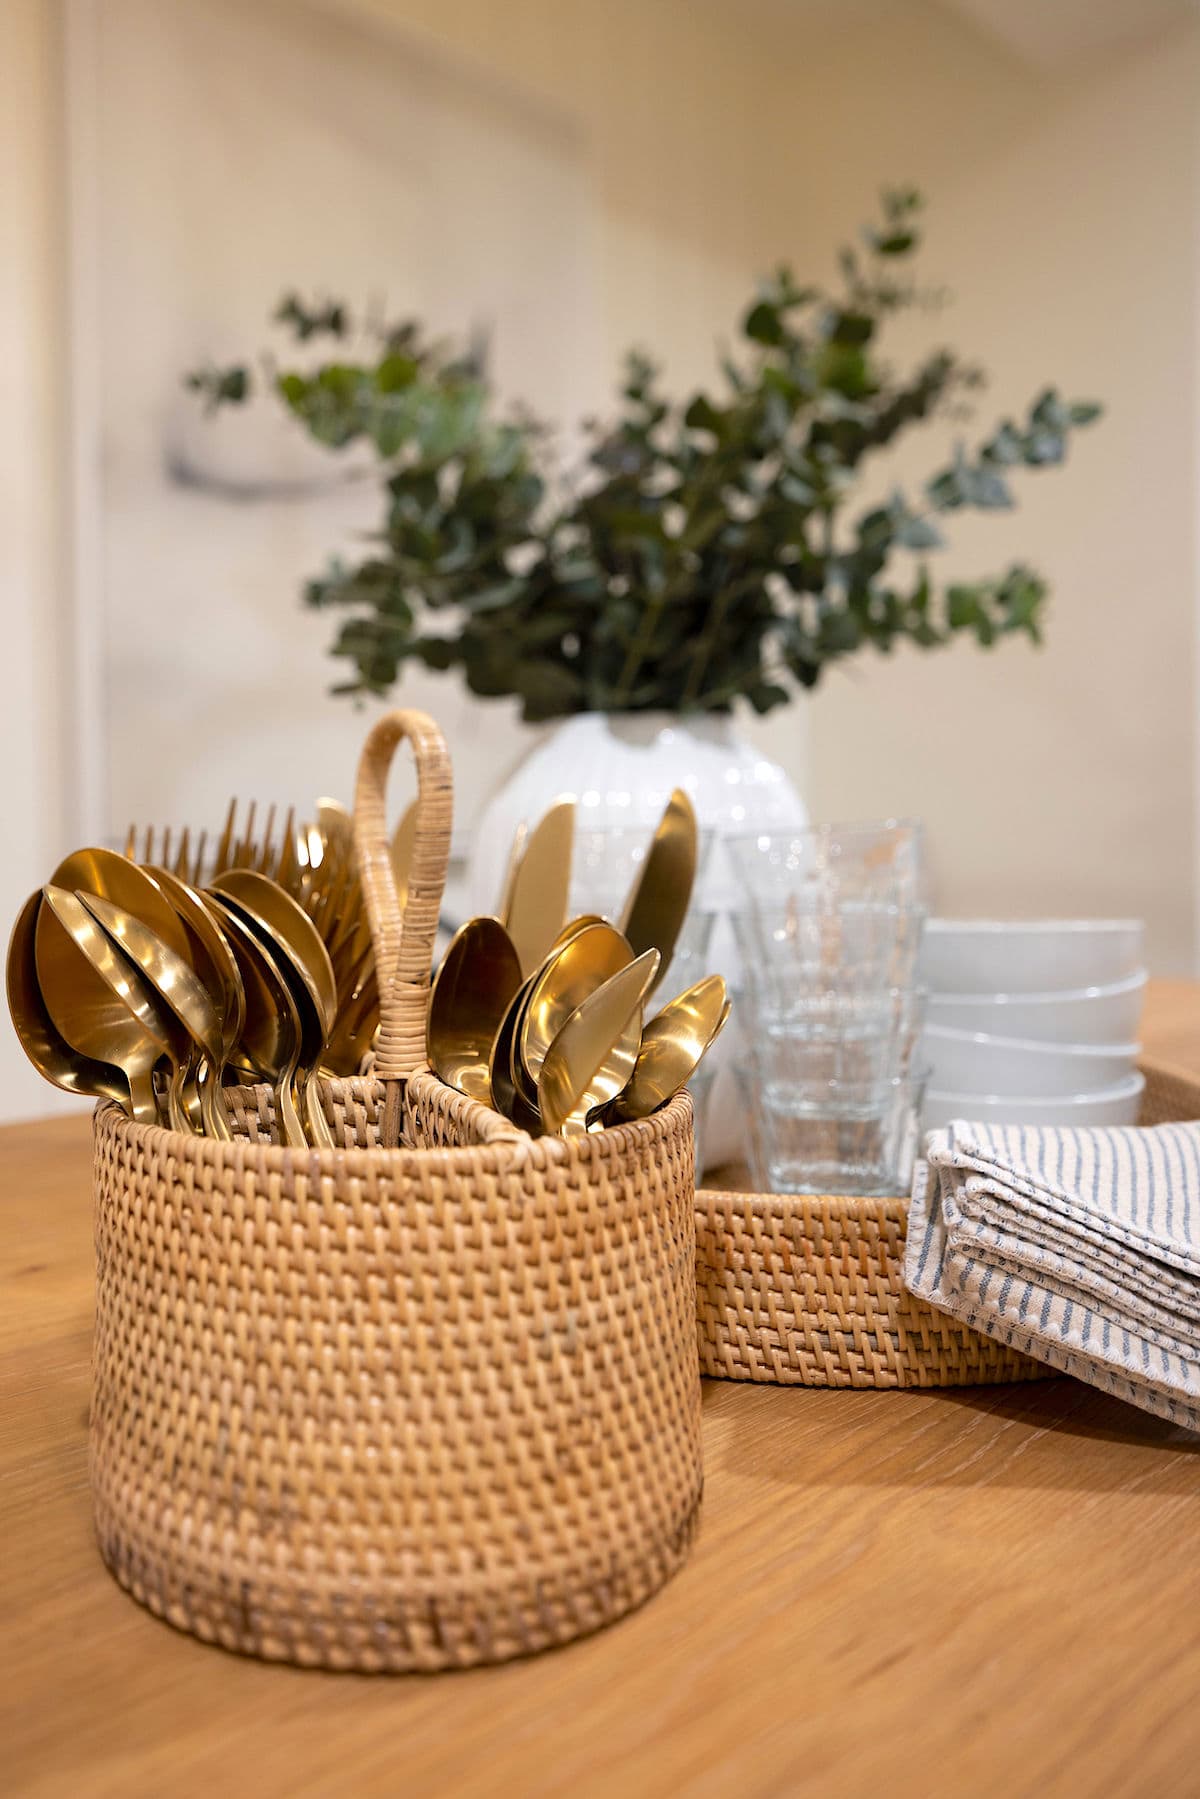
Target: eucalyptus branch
710 551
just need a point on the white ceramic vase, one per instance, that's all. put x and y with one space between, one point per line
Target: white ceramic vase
621 770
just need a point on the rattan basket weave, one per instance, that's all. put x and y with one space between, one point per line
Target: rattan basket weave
810 1292
409 1407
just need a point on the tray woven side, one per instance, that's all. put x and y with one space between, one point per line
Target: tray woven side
804 1291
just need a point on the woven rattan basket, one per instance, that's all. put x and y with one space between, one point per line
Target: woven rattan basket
809 1291
409 1407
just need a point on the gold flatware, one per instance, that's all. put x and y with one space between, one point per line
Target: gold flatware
583 962
279 916
479 974
537 899
188 1018
270 1042
211 957
506 1095
54 1058
674 1044
290 933
103 1006
662 890
404 839
115 878
594 1053
573 927
520 838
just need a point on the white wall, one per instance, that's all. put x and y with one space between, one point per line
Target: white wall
35 746
1064 214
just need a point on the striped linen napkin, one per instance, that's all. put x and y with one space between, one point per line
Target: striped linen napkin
1080 1247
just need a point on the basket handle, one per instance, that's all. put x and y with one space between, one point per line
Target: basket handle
403 941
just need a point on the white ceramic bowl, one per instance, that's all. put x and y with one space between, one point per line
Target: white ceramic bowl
1112 1105
1108 1014
985 955
973 1062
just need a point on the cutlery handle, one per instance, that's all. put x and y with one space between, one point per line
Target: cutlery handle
403 937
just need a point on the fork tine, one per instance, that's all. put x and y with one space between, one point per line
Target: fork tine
181 859
287 868
148 845
244 849
263 859
164 858
225 845
197 874
130 850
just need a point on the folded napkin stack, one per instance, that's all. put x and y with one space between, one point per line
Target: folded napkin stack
1080 1247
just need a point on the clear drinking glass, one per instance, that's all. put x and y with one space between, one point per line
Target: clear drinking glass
836 1136
791 951
838 1045
828 865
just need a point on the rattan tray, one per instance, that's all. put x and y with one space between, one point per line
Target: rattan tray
809 1292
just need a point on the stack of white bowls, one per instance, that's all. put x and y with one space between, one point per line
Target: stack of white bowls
1033 1023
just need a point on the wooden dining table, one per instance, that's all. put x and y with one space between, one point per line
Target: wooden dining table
989 1590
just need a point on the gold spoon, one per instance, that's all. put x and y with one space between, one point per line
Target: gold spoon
102 1005
674 1044
213 961
404 839
594 1053
187 1003
55 1059
662 889
290 935
573 927
536 903
506 1096
564 980
478 976
134 889
270 1042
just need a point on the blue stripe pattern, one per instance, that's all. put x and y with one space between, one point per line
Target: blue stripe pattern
1080 1247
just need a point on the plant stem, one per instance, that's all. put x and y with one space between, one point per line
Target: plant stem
706 642
635 654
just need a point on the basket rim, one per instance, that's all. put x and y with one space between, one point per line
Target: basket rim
845 1205
498 1151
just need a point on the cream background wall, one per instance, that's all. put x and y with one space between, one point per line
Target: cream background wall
36 746
1066 213
717 138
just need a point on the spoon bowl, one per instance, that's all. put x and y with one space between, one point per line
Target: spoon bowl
674 1044
569 974
55 1059
478 977
190 1019
104 1007
593 1055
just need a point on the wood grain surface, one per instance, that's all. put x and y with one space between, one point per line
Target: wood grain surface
983 1591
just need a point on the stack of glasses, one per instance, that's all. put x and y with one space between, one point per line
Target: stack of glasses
828 926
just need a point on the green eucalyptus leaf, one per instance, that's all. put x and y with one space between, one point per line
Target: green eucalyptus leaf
711 553
763 325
